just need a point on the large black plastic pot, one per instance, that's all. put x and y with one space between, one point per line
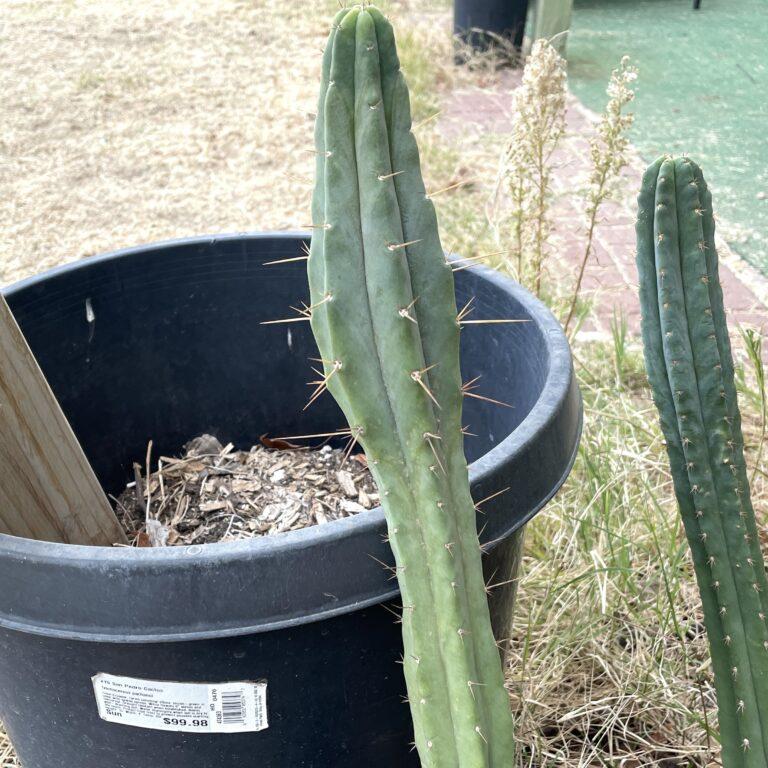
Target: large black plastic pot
482 23
174 348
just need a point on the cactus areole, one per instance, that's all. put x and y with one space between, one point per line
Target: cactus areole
384 316
690 367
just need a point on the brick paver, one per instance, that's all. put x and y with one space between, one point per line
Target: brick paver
611 277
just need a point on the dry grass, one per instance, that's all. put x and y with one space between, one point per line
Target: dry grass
134 122
612 666
153 123
611 655
155 120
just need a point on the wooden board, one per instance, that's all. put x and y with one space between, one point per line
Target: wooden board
48 490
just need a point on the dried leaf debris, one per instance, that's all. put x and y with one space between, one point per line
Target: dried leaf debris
216 493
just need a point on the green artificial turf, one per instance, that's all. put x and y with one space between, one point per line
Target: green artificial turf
702 90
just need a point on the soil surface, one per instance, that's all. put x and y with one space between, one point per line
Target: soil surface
216 493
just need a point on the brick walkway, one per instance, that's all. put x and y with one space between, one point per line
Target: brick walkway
611 276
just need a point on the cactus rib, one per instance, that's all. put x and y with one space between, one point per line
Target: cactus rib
690 368
384 316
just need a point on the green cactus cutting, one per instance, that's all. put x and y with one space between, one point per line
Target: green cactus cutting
383 311
690 367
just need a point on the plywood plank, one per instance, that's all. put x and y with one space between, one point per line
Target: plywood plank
48 490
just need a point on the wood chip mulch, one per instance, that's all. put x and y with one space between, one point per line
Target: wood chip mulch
216 493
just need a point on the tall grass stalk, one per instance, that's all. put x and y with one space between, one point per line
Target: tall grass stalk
608 152
753 346
619 333
538 125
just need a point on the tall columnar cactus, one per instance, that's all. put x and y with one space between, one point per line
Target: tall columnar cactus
384 316
688 357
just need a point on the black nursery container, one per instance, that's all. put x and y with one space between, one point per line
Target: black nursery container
171 347
481 24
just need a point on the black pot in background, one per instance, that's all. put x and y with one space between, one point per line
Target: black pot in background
172 347
480 23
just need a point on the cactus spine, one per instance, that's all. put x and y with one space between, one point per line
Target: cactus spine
384 316
690 367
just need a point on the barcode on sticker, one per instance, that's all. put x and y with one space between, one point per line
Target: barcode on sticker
232 707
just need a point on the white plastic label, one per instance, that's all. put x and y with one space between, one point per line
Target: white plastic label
193 707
